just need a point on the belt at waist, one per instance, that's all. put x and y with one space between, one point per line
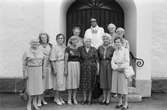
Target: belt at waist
60 60
105 59
34 65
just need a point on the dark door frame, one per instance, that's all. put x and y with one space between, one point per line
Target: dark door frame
105 11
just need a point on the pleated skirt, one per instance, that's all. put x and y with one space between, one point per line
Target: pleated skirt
59 80
119 83
48 79
73 77
35 82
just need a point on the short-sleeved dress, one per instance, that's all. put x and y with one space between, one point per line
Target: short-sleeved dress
57 56
88 68
47 70
105 70
33 60
119 81
73 77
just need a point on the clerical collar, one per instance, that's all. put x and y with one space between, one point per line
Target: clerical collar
94 29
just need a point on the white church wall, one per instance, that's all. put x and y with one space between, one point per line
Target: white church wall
20 21
159 40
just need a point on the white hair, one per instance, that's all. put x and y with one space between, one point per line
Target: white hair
111 25
120 29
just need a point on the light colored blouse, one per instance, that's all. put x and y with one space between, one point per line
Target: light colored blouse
32 58
125 43
45 50
57 53
120 58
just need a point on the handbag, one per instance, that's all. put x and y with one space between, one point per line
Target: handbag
129 72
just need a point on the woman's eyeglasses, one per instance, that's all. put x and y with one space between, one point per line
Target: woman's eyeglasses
61 38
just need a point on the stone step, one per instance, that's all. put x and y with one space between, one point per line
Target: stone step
131 98
132 90
15 99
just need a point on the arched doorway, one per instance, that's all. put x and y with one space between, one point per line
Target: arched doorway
105 11
137 28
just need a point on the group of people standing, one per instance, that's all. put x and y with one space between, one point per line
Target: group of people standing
75 66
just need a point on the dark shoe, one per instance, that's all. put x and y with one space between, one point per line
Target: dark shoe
118 106
84 102
124 108
103 102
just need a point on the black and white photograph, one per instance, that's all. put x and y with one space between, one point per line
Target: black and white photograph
83 55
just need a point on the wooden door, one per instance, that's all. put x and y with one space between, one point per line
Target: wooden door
105 11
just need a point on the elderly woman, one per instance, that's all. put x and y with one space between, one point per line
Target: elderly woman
120 33
89 69
72 58
76 34
32 70
45 47
105 53
111 29
120 61
57 60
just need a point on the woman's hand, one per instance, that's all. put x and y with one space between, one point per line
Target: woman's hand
25 77
120 69
65 72
54 72
25 73
43 76
72 53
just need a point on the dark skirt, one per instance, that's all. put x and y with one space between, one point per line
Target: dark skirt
88 76
105 74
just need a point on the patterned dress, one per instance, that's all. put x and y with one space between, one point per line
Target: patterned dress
105 56
57 56
33 60
88 68
47 70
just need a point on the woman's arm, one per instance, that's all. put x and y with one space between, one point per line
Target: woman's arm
66 64
113 64
52 58
54 68
43 73
126 59
25 75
